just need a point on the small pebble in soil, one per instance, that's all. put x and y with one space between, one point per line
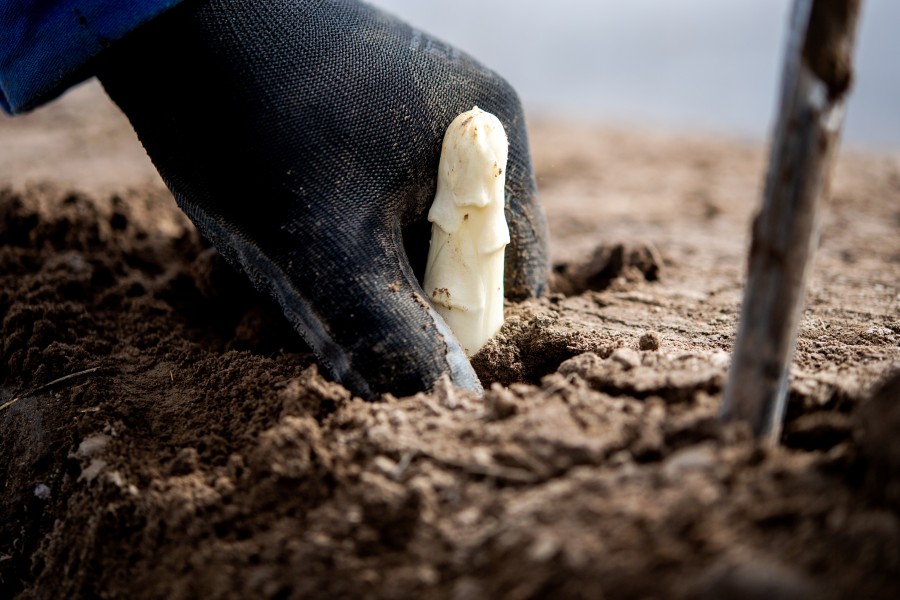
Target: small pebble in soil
42 491
649 341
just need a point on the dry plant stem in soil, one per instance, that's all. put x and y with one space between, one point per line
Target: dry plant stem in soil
816 81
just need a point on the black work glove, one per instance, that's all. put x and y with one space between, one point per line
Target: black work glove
302 138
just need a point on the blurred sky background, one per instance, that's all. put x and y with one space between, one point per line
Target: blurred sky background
710 65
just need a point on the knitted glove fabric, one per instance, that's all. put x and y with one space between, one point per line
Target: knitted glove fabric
302 138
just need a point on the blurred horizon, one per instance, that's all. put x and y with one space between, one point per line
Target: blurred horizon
702 65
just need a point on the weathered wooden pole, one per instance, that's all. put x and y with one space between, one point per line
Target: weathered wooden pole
816 80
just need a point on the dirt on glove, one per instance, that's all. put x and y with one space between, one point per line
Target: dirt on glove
163 433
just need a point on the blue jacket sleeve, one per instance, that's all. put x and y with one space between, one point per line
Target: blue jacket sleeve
46 45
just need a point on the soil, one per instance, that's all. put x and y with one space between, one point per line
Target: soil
164 434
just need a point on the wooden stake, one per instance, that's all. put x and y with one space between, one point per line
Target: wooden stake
815 83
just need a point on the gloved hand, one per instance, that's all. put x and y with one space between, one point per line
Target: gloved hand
302 138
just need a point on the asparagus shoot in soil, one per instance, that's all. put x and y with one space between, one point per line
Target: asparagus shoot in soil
469 234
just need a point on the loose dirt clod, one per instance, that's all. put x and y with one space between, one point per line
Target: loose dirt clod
606 265
649 341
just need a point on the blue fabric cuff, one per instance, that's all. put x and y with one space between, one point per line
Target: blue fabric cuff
46 45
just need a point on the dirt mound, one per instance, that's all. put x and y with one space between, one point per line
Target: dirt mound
164 435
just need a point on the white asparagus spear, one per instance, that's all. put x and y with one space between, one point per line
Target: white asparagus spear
464 273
